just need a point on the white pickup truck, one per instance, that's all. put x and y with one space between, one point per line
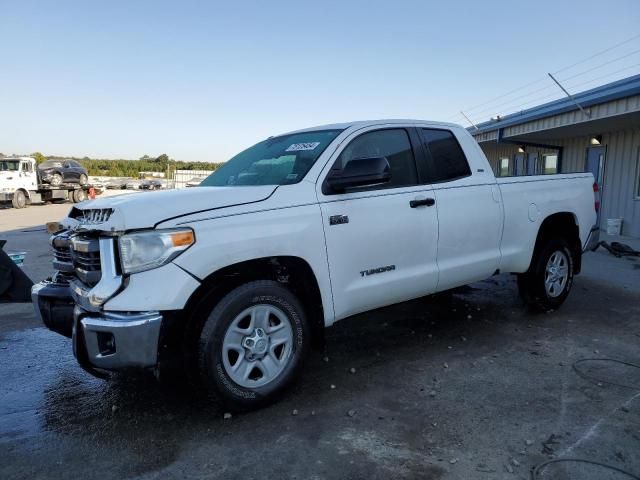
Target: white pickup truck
236 279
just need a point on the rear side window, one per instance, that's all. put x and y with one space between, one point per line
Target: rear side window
448 161
393 144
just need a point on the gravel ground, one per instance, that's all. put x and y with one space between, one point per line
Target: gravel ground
465 385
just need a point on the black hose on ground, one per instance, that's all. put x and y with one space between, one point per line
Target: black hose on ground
535 471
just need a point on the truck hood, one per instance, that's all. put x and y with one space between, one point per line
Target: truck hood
145 210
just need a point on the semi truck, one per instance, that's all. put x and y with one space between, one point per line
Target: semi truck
235 280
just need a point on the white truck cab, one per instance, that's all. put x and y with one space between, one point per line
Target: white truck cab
234 280
18 180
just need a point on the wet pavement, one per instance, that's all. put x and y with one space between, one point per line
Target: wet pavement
457 386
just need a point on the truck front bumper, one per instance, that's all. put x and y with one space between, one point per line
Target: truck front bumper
116 340
105 340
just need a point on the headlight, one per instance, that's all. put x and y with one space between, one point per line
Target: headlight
146 250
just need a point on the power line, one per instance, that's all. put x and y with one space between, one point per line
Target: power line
547 87
515 108
602 65
535 82
598 53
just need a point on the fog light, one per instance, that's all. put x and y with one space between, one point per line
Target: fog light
106 343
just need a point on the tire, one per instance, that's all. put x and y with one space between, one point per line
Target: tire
19 199
243 378
83 179
56 179
547 283
78 196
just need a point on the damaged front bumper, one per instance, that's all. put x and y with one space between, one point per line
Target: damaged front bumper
103 340
116 340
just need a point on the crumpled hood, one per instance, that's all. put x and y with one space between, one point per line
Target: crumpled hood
145 210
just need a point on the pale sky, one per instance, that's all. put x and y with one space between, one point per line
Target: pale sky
204 80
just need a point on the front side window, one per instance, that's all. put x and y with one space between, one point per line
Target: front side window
394 145
448 161
282 160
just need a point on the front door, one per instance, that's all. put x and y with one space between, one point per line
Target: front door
381 244
595 163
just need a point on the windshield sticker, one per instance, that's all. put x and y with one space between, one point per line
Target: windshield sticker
296 147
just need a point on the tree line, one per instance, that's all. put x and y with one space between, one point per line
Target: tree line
129 168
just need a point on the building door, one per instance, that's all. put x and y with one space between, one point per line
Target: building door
532 163
518 164
595 164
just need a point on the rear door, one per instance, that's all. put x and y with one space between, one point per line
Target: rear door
381 244
469 211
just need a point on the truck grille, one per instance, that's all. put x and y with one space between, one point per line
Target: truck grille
85 253
91 216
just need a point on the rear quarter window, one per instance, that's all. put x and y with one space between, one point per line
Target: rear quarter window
447 160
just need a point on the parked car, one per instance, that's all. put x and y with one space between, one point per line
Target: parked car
133 184
236 280
151 184
117 184
194 182
57 172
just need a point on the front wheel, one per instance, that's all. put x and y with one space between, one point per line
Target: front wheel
547 283
83 179
253 344
19 199
56 179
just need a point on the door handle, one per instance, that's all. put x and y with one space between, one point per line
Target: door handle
423 202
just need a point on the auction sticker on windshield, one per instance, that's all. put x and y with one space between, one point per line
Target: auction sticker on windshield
295 147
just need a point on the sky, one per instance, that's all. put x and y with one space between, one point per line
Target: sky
201 81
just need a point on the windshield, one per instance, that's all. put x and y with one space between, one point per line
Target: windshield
9 165
276 161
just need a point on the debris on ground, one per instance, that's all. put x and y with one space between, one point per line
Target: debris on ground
294 412
333 387
528 443
445 365
618 249
351 413
547 446
453 461
352 370
227 416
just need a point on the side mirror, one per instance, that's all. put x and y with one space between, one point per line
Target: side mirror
360 172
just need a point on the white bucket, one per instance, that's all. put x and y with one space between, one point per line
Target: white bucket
614 226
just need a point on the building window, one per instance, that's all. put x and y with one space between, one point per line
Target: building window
550 163
503 167
637 195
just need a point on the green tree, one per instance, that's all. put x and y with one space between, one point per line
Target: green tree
38 157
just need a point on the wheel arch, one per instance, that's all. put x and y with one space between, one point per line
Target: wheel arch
561 225
293 272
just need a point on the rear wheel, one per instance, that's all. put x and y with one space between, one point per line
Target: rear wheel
19 199
56 179
79 196
547 283
253 344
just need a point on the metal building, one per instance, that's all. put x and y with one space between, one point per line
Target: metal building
598 131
